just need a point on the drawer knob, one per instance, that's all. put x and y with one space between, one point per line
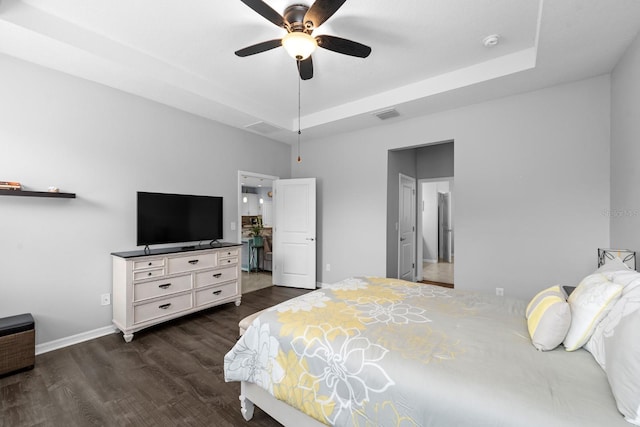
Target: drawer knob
193 262
164 286
217 292
149 273
217 275
165 306
150 263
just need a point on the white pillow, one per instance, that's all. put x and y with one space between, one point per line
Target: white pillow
623 366
589 303
630 279
628 302
616 264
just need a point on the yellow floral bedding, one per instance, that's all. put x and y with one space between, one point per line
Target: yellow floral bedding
385 352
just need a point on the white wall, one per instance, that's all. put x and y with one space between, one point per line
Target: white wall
548 152
625 151
103 145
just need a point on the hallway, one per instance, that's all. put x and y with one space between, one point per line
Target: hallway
441 272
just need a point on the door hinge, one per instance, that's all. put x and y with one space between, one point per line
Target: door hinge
413 265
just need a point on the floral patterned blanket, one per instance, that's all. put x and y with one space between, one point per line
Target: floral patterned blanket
385 352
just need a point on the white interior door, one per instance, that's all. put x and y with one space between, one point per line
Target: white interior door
407 228
294 234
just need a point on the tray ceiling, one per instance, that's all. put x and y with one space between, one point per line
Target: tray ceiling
427 55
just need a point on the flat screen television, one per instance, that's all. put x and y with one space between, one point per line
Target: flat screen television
178 218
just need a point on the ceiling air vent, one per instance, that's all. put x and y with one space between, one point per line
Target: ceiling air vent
261 127
386 114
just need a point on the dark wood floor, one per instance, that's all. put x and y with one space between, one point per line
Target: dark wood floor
169 375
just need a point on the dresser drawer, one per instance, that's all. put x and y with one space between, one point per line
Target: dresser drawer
227 261
156 288
147 274
229 253
192 262
210 295
149 263
212 277
160 308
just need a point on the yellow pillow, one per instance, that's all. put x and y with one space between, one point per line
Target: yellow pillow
548 318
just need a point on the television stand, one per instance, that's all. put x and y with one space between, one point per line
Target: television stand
154 287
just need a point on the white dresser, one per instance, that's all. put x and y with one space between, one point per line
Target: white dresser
159 285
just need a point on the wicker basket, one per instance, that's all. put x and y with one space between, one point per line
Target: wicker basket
17 343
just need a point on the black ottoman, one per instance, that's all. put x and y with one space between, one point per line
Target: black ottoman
17 343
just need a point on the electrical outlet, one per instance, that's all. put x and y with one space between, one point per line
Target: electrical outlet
500 292
233 226
105 299
328 268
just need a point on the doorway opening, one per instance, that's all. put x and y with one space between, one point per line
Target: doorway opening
255 221
436 228
428 163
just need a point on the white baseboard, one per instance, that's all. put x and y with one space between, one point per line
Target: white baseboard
75 339
430 261
320 285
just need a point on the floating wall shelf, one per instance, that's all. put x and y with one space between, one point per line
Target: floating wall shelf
37 194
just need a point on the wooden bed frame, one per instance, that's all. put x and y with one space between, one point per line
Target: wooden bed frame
252 394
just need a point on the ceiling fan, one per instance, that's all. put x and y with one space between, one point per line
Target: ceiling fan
300 21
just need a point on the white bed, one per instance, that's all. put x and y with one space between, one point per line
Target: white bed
401 353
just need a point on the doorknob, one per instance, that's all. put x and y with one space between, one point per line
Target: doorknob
311 238
402 239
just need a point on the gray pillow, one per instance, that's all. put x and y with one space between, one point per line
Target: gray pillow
623 365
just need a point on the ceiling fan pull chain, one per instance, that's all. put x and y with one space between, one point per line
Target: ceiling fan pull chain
299 132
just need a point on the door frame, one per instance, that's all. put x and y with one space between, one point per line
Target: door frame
420 204
414 200
242 174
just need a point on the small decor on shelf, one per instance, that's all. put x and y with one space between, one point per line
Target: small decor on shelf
10 185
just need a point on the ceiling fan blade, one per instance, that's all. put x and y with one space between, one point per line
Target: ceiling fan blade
305 68
344 46
266 11
260 47
322 10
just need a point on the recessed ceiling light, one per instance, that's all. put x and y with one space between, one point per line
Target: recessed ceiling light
491 40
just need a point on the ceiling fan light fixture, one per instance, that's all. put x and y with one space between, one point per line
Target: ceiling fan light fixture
299 45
